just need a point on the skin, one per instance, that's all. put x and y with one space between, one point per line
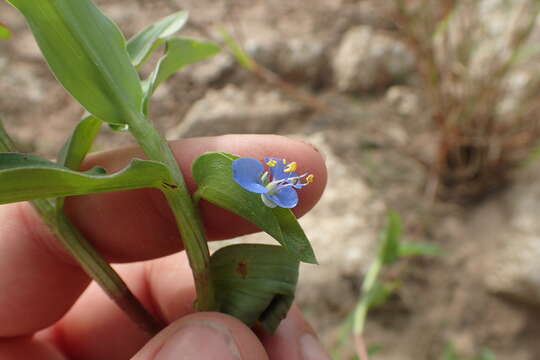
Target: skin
49 311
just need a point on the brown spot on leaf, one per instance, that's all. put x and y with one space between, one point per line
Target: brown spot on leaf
242 269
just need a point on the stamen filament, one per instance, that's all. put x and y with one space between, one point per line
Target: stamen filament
264 177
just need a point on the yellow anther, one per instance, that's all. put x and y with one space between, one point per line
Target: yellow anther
291 167
310 178
284 162
271 163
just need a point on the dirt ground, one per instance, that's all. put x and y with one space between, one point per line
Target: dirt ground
441 300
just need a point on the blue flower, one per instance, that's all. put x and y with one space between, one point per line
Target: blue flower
276 186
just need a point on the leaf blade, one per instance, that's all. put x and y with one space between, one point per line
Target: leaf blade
27 177
141 46
179 52
79 143
294 237
410 248
86 52
390 247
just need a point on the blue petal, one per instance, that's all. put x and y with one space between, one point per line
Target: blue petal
247 173
285 198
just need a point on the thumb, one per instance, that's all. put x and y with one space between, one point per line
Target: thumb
204 336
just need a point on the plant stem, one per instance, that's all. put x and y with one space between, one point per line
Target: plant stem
94 265
88 258
185 212
360 313
367 287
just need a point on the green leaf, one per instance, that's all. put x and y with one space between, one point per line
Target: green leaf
390 246
213 174
79 143
294 237
27 177
380 292
487 354
179 52
238 52
76 147
419 248
87 54
450 352
255 282
4 32
374 349
141 46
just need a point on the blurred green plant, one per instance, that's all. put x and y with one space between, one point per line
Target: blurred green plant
375 290
4 32
470 64
450 353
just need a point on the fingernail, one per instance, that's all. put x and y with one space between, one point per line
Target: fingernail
200 340
312 349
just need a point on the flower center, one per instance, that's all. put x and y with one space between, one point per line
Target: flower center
274 186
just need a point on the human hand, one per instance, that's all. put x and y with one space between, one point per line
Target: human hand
48 311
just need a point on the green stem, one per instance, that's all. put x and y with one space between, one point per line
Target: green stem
360 313
94 265
362 308
89 259
185 212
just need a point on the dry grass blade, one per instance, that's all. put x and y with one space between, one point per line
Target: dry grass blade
469 72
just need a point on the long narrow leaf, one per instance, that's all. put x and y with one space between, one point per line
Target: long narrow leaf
76 147
178 53
390 246
79 143
419 249
87 53
294 238
27 177
141 46
238 52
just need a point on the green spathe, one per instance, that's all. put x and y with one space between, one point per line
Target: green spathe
255 282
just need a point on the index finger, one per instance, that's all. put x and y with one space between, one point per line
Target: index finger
138 225
125 226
